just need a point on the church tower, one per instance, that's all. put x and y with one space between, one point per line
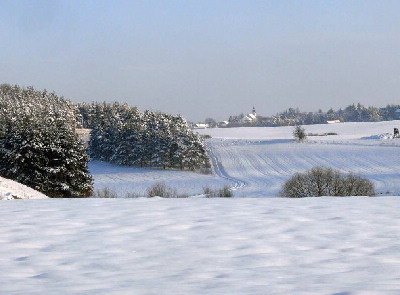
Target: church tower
254 111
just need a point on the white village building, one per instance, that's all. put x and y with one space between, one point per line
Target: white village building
249 118
200 126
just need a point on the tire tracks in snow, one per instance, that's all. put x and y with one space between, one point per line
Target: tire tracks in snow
220 170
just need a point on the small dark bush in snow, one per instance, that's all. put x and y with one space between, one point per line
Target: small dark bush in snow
162 190
105 193
299 133
224 192
321 181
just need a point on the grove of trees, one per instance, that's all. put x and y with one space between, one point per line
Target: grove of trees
123 135
38 143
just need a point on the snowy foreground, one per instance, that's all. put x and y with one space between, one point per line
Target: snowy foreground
201 246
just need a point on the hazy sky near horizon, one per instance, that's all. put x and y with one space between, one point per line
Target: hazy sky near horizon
206 58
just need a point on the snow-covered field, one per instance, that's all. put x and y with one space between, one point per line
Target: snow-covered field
257 161
201 246
217 246
261 167
123 180
345 131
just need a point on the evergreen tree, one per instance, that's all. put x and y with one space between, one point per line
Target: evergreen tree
122 135
38 143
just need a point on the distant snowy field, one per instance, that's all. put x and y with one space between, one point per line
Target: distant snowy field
201 246
257 161
345 131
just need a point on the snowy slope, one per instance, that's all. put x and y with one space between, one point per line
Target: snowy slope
201 246
261 159
13 190
123 179
263 166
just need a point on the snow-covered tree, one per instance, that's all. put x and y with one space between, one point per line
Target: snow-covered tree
123 135
38 143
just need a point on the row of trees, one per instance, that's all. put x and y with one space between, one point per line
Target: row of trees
123 135
352 113
38 143
39 146
292 116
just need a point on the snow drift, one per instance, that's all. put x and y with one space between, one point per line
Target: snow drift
13 190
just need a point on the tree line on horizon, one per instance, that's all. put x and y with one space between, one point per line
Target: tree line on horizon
293 116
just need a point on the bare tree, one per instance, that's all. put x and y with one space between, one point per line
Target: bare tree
321 181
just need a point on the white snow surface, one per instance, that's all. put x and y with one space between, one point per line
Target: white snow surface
256 162
124 179
13 190
201 246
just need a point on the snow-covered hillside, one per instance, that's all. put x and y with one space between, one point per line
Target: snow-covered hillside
261 167
257 161
201 246
13 190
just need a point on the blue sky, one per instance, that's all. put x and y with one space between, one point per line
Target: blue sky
206 58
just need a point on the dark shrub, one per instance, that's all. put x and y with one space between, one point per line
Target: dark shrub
299 133
321 181
162 190
224 192
105 193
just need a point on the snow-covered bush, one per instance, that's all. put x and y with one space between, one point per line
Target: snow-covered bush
38 144
321 181
122 135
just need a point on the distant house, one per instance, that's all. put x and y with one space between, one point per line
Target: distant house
397 112
223 124
333 121
200 126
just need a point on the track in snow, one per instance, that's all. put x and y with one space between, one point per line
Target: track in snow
219 170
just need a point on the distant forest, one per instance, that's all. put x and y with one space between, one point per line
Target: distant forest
291 116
